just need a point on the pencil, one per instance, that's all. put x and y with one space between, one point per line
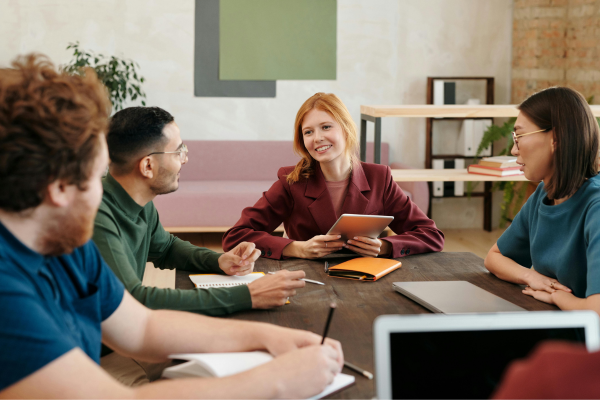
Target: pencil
332 305
361 371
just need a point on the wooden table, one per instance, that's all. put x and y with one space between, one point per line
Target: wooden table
359 303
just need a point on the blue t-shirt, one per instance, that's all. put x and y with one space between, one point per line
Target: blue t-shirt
560 241
50 305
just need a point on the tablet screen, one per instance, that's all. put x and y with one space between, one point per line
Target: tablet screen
461 364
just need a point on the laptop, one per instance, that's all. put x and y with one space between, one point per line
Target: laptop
435 356
454 297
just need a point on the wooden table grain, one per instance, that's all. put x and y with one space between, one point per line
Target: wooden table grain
359 303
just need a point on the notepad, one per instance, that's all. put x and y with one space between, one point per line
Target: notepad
225 364
205 281
364 268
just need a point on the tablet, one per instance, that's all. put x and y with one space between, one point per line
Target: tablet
351 225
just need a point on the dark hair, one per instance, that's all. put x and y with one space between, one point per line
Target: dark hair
50 125
575 132
135 131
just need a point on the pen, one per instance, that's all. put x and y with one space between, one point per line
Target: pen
353 367
302 279
326 267
361 371
332 305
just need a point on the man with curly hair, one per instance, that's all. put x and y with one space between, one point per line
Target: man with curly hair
59 298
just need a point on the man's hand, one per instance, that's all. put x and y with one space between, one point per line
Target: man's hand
240 259
278 340
304 372
318 246
273 290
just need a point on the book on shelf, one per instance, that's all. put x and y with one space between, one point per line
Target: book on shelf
444 92
484 170
499 162
226 364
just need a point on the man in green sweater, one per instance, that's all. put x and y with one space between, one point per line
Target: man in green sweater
146 153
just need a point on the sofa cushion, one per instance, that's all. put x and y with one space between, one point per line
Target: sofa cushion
209 203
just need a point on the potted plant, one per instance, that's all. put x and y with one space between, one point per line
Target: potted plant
120 76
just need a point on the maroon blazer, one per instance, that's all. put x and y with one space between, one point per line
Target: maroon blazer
306 210
555 370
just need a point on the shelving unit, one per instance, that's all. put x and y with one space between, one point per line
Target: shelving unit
429 156
374 113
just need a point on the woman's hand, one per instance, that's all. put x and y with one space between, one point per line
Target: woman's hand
318 246
540 295
539 282
367 246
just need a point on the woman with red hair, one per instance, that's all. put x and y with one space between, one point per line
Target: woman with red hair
327 182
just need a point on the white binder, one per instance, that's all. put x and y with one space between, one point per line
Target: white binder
481 125
465 144
459 186
438 187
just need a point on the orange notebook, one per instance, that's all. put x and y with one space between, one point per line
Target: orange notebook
364 268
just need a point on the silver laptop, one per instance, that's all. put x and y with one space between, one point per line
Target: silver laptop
437 356
454 297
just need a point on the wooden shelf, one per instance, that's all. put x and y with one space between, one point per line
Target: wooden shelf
447 175
448 111
449 156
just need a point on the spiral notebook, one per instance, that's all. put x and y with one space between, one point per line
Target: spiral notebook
205 281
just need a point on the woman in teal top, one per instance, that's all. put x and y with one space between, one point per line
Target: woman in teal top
553 244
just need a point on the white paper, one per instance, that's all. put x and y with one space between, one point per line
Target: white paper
225 364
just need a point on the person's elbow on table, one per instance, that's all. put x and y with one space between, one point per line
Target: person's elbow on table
491 259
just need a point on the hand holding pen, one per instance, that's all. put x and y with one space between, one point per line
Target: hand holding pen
353 367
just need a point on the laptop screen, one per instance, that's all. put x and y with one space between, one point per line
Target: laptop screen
461 364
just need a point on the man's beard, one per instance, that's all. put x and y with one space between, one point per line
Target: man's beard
166 182
68 232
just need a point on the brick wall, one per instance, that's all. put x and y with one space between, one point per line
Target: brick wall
556 42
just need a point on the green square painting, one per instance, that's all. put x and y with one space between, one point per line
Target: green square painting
277 39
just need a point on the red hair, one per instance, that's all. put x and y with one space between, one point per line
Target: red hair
331 104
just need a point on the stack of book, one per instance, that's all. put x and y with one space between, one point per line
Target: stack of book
496 166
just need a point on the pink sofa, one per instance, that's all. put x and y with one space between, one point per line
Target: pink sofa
221 178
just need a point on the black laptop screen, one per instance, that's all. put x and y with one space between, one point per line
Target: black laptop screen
461 364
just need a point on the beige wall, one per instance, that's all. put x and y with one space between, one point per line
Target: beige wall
386 50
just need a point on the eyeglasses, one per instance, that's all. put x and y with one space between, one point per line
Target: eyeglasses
516 137
183 151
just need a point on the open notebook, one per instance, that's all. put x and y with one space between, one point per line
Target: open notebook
225 364
206 281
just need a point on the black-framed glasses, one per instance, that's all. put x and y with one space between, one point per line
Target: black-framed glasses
516 137
183 151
